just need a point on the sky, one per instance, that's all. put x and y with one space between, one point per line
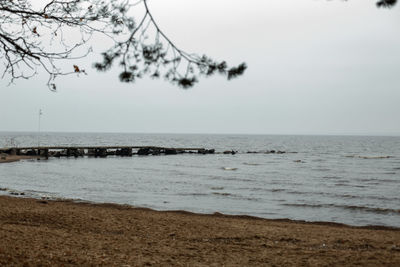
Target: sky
314 67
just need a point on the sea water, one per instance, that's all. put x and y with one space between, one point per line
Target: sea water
345 179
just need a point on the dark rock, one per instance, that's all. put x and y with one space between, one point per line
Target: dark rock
76 152
101 152
126 152
31 152
91 152
44 153
6 151
170 151
143 151
155 151
111 153
204 151
72 152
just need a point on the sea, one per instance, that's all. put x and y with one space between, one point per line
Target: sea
353 180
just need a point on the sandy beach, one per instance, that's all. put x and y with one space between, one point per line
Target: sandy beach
64 233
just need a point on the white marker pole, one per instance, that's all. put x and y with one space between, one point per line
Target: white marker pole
40 115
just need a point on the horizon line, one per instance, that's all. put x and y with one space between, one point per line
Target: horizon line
210 133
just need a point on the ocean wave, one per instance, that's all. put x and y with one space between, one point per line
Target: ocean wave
342 184
30 193
318 160
193 194
12 192
224 178
322 169
369 157
235 196
222 194
229 169
258 189
346 207
217 188
346 184
251 164
342 196
277 190
332 177
348 196
377 180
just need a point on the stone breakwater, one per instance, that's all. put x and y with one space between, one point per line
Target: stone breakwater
104 151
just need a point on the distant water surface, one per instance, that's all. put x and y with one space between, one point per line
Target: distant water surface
345 179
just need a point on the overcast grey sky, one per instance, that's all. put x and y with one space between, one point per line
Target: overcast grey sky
315 67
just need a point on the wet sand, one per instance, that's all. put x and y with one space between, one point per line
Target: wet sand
63 233
14 158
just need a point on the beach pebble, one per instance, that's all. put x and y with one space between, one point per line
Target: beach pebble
395 248
16 193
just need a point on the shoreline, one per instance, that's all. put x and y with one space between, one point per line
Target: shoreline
57 232
22 195
14 158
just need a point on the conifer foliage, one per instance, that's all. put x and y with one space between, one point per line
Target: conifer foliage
51 35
